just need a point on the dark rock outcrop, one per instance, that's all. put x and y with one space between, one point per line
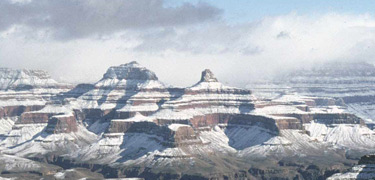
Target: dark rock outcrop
62 124
367 159
208 76
12 111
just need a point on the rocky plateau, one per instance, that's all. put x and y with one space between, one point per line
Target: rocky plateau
131 125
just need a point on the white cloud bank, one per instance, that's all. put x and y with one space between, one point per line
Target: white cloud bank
179 52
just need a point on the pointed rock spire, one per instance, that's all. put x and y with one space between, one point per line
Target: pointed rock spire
208 76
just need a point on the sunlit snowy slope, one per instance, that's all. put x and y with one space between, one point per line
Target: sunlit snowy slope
129 124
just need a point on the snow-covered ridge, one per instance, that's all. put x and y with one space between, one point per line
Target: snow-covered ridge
129 118
208 96
129 87
341 77
17 78
130 76
352 83
129 71
337 70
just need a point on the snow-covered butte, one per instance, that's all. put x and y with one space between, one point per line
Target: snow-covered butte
131 120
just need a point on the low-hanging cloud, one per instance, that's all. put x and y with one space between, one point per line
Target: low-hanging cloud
179 50
71 19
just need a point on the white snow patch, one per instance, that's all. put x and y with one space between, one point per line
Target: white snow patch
174 127
138 117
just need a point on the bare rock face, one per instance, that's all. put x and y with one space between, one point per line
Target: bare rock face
367 159
94 113
211 120
172 135
13 111
342 118
138 123
297 120
289 123
62 124
34 117
208 76
183 135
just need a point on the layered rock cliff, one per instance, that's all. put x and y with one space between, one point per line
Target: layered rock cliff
129 124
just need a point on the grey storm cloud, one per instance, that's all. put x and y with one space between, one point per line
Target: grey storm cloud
69 19
211 38
96 34
283 34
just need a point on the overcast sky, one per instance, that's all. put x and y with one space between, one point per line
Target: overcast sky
77 40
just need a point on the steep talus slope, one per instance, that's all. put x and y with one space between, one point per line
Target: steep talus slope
129 124
26 90
27 108
24 99
122 92
227 122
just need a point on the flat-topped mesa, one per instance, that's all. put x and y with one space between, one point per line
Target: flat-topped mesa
129 76
172 135
26 90
65 123
129 71
127 89
17 79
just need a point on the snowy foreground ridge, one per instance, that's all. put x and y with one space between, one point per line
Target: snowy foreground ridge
129 124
